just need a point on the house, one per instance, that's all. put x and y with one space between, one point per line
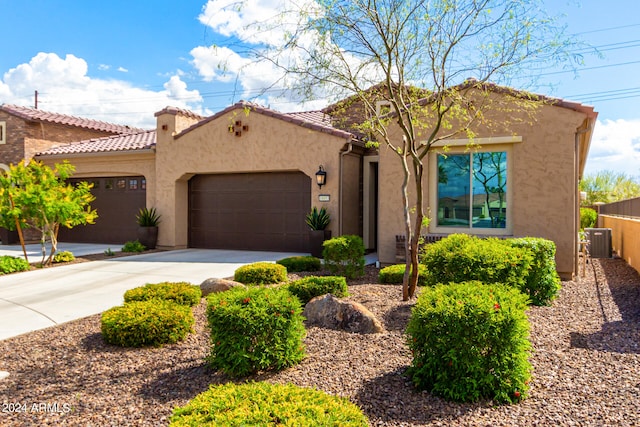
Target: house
244 178
27 131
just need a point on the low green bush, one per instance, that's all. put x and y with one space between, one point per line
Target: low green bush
64 256
588 218
10 264
344 255
133 246
542 283
461 257
146 323
179 292
260 273
470 341
394 274
255 329
265 404
300 263
310 287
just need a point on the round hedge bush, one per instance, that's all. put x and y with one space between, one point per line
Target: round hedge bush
394 274
310 287
470 341
261 273
300 263
265 404
146 323
255 329
179 292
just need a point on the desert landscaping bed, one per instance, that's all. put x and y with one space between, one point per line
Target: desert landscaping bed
586 363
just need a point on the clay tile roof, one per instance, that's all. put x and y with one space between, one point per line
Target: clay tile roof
312 120
144 140
179 112
34 115
317 117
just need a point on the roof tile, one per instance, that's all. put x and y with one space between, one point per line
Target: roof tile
144 140
34 115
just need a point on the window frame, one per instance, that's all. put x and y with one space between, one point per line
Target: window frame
3 132
467 146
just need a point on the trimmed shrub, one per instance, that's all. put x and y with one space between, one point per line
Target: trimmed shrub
134 246
470 341
182 293
310 287
395 273
10 264
146 323
344 255
588 218
255 329
461 257
260 273
64 256
300 263
542 283
265 404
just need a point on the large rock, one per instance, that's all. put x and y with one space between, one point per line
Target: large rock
330 312
214 285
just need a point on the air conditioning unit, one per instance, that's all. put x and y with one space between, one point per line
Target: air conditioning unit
599 242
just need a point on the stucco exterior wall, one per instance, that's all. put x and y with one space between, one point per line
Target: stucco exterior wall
543 177
624 238
267 145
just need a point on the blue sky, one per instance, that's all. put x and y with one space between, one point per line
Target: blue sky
121 61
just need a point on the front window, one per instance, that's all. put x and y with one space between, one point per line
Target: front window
472 190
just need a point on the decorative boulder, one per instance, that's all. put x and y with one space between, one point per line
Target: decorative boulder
214 285
327 311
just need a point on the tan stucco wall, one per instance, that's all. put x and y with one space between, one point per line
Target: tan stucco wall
544 193
269 144
624 238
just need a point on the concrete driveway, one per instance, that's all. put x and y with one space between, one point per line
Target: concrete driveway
38 299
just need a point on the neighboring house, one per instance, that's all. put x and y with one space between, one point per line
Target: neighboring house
244 178
26 131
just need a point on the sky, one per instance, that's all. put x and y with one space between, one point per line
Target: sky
121 61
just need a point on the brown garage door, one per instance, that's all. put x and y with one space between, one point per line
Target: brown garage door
251 211
118 200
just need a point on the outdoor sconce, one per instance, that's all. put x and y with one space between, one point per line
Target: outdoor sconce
321 177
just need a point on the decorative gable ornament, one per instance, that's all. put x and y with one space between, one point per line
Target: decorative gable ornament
237 128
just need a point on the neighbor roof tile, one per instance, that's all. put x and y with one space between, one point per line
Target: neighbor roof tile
144 140
34 115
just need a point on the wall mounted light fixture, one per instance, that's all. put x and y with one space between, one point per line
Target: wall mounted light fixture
321 177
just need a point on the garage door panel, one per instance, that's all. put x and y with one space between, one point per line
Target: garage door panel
118 201
261 211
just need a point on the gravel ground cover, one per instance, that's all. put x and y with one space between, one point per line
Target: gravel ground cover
586 366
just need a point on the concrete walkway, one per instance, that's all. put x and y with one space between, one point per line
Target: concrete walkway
41 298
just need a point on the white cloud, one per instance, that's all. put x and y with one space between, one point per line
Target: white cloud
64 87
104 67
254 25
123 70
615 146
243 19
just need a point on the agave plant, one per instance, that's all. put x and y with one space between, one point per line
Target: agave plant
318 219
148 217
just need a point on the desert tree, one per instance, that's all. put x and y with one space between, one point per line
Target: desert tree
608 186
431 64
37 196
